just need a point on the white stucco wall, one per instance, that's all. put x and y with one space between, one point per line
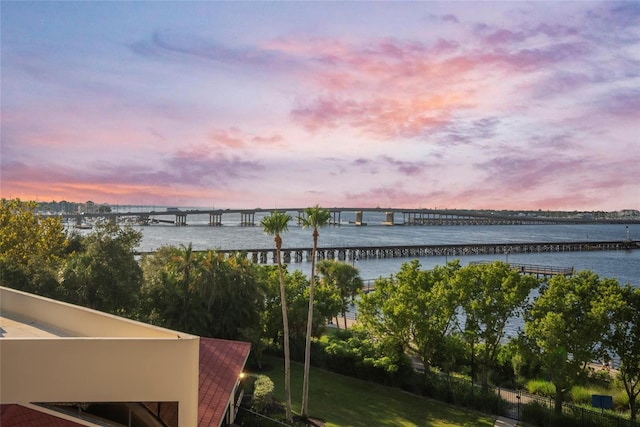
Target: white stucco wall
102 358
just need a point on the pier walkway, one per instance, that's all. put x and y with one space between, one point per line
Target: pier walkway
536 270
352 253
544 271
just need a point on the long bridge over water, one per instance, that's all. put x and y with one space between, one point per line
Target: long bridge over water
392 216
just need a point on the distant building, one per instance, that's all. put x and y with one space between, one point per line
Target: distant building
629 213
88 207
65 365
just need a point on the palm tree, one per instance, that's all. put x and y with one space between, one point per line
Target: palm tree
274 225
184 276
314 217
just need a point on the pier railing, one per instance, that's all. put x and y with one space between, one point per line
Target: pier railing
538 270
355 253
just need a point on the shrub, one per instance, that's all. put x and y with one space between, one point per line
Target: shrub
262 393
355 354
621 400
581 394
541 387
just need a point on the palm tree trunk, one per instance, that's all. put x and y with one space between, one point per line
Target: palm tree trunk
285 326
307 347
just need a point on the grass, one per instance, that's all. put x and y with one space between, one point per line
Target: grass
347 402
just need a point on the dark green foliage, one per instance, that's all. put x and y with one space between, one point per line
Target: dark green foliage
296 286
34 278
491 294
104 274
452 354
543 415
536 413
416 308
462 392
566 324
344 279
623 339
355 353
204 294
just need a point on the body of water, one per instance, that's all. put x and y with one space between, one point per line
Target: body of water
622 265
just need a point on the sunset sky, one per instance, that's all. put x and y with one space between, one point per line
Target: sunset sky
485 105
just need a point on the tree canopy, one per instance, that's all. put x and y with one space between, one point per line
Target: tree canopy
32 248
418 308
104 274
345 279
202 293
491 295
623 340
566 323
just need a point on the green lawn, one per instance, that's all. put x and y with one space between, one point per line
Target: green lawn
347 402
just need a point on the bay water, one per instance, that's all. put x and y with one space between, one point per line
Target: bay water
621 265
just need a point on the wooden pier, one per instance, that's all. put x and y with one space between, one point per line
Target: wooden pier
351 253
540 271
536 270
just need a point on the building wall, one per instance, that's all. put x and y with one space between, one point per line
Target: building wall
126 362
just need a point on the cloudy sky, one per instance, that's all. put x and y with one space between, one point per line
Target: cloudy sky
488 105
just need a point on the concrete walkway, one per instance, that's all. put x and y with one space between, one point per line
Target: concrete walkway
505 422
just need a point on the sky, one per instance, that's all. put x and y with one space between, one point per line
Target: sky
447 105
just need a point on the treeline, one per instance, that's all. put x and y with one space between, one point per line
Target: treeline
450 319
64 207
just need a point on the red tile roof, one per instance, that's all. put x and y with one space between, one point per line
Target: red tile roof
221 363
21 416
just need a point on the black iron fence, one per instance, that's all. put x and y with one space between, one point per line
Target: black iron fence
518 404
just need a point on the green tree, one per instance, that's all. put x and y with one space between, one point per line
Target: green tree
275 225
327 305
203 293
491 295
105 275
565 326
314 217
355 352
159 289
623 340
296 285
32 248
234 296
416 308
346 278
185 309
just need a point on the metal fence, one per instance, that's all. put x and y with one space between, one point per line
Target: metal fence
520 405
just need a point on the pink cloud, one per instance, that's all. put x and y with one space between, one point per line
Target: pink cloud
236 139
379 118
230 138
274 140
